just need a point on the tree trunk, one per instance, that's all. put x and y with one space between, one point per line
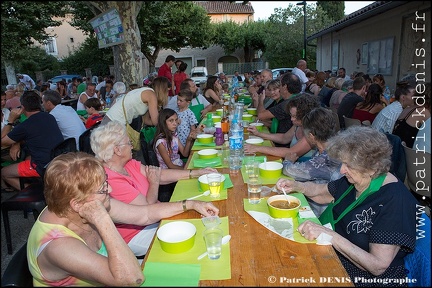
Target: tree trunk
10 72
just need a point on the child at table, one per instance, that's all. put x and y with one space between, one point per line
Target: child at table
93 108
167 144
187 119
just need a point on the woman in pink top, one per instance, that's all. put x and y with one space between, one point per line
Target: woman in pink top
371 106
134 183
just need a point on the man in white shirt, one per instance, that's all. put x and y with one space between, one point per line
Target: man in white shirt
299 70
67 118
342 74
27 80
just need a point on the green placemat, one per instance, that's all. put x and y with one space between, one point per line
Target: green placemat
199 146
190 187
219 269
171 275
195 162
263 208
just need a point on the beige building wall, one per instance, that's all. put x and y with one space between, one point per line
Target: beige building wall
66 38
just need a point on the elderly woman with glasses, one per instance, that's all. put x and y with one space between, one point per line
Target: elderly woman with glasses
371 213
74 242
134 183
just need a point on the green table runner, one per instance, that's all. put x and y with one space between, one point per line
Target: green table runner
210 269
282 227
190 187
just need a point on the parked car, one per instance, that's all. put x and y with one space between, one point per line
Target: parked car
279 71
67 77
199 75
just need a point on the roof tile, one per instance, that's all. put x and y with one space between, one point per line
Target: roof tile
225 7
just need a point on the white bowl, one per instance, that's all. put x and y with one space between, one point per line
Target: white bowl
207 153
255 141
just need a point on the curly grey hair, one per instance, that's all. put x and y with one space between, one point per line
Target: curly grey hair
363 149
104 138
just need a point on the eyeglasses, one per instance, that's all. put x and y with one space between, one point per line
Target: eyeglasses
104 187
128 143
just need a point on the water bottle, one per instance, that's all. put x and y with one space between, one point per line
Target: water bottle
108 102
236 139
386 93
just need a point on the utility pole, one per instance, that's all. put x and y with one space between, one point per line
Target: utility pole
304 27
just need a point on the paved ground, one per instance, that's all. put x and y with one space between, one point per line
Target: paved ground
20 228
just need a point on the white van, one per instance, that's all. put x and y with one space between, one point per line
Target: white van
199 75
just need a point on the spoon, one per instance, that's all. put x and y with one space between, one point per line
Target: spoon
225 240
206 193
265 162
286 196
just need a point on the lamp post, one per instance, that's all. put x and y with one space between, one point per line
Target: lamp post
304 27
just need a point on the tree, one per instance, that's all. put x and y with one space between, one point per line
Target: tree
284 35
23 23
248 36
146 36
333 9
172 25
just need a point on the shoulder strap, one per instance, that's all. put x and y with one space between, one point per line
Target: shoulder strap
409 113
373 187
124 111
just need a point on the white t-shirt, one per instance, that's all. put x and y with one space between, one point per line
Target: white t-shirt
69 122
302 76
28 81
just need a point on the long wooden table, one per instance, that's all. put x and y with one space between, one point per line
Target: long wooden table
260 257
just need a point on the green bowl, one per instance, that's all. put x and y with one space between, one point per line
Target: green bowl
259 126
252 111
216 118
270 169
205 138
207 153
177 236
203 183
276 212
247 117
219 111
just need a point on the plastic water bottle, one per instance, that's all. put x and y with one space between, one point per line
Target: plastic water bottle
236 139
108 102
386 93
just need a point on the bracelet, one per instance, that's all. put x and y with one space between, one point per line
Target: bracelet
190 173
184 205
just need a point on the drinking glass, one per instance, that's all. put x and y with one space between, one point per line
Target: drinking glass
214 182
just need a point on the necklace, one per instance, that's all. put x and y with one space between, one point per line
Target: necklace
124 172
91 230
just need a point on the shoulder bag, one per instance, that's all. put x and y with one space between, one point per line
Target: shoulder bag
134 136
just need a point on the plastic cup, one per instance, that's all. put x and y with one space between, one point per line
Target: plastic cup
214 182
213 241
235 163
254 190
252 169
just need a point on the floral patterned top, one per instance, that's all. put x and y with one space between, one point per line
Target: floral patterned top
174 154
378 219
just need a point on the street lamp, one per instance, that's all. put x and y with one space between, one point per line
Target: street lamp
304 27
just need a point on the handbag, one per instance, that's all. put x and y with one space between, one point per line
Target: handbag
327 216
134 136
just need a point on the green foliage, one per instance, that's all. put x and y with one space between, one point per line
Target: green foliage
24 22
89 56
172 25
335 10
